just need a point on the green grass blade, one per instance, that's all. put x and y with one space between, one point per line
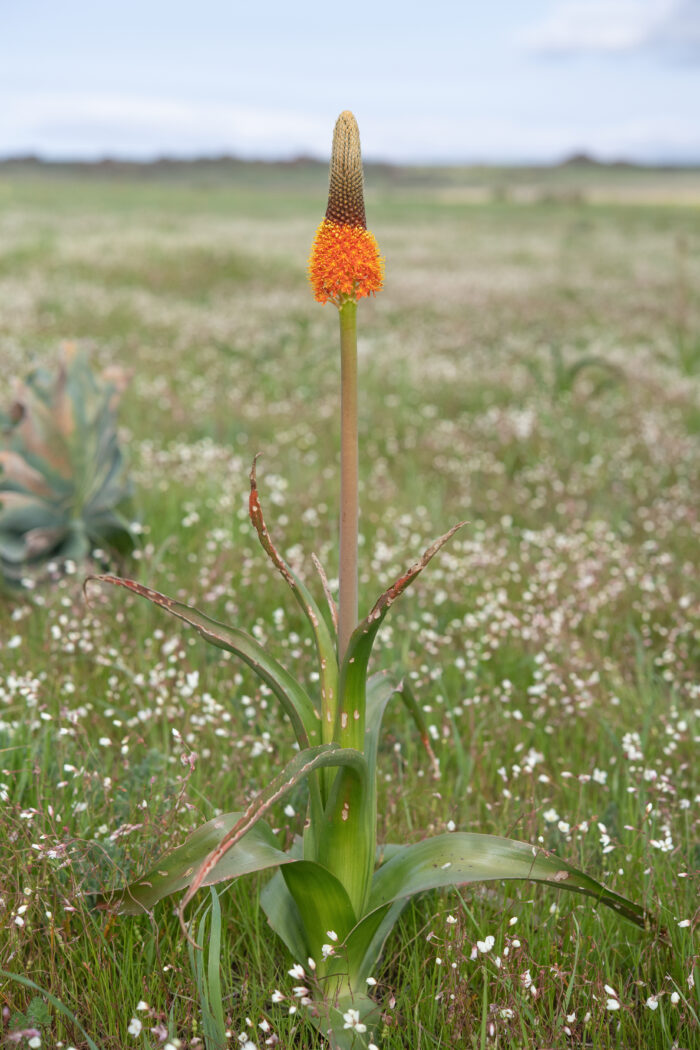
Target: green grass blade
294 700
56 1003
216 1005
213 1027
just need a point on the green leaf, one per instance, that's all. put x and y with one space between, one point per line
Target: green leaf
365 942
461 857
12 546
294 700
174 871
325 642
300 767
329 1021
283 916
323 904
350 723
25 513
380 689
346 840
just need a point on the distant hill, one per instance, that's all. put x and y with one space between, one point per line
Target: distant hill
164 165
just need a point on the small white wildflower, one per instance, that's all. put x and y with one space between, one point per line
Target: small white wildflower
512 921
326 950
450 920
352 1020
277 996
371 981
506 1014
35 1042
675 998
487 944
297 971
684 923
289 811
331 935
610 991
652 1002
550 816
612 1004
141 1005
135 1026
451 825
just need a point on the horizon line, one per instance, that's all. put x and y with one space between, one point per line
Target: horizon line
580 157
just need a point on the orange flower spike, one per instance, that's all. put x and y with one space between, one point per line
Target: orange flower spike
345 263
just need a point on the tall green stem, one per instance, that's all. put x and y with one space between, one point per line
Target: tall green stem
349 457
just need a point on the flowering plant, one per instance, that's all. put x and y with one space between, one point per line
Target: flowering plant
336 894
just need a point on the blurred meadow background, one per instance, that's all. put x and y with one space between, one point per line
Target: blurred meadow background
532 365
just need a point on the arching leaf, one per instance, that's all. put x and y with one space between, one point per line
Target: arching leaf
294 700
174 871
461 857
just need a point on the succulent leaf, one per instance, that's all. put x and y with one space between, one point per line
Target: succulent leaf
174 870
63 484
461 857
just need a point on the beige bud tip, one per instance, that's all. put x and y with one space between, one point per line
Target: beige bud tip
346 202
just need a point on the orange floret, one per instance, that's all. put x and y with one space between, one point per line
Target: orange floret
345 263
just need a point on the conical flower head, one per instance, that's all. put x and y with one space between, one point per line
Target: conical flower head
345 262
346 184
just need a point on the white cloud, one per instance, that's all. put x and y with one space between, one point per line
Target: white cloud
611 26
75 124
72 125
647 137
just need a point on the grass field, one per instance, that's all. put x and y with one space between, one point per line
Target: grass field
533 365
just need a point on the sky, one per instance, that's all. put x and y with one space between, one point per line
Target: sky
430 81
